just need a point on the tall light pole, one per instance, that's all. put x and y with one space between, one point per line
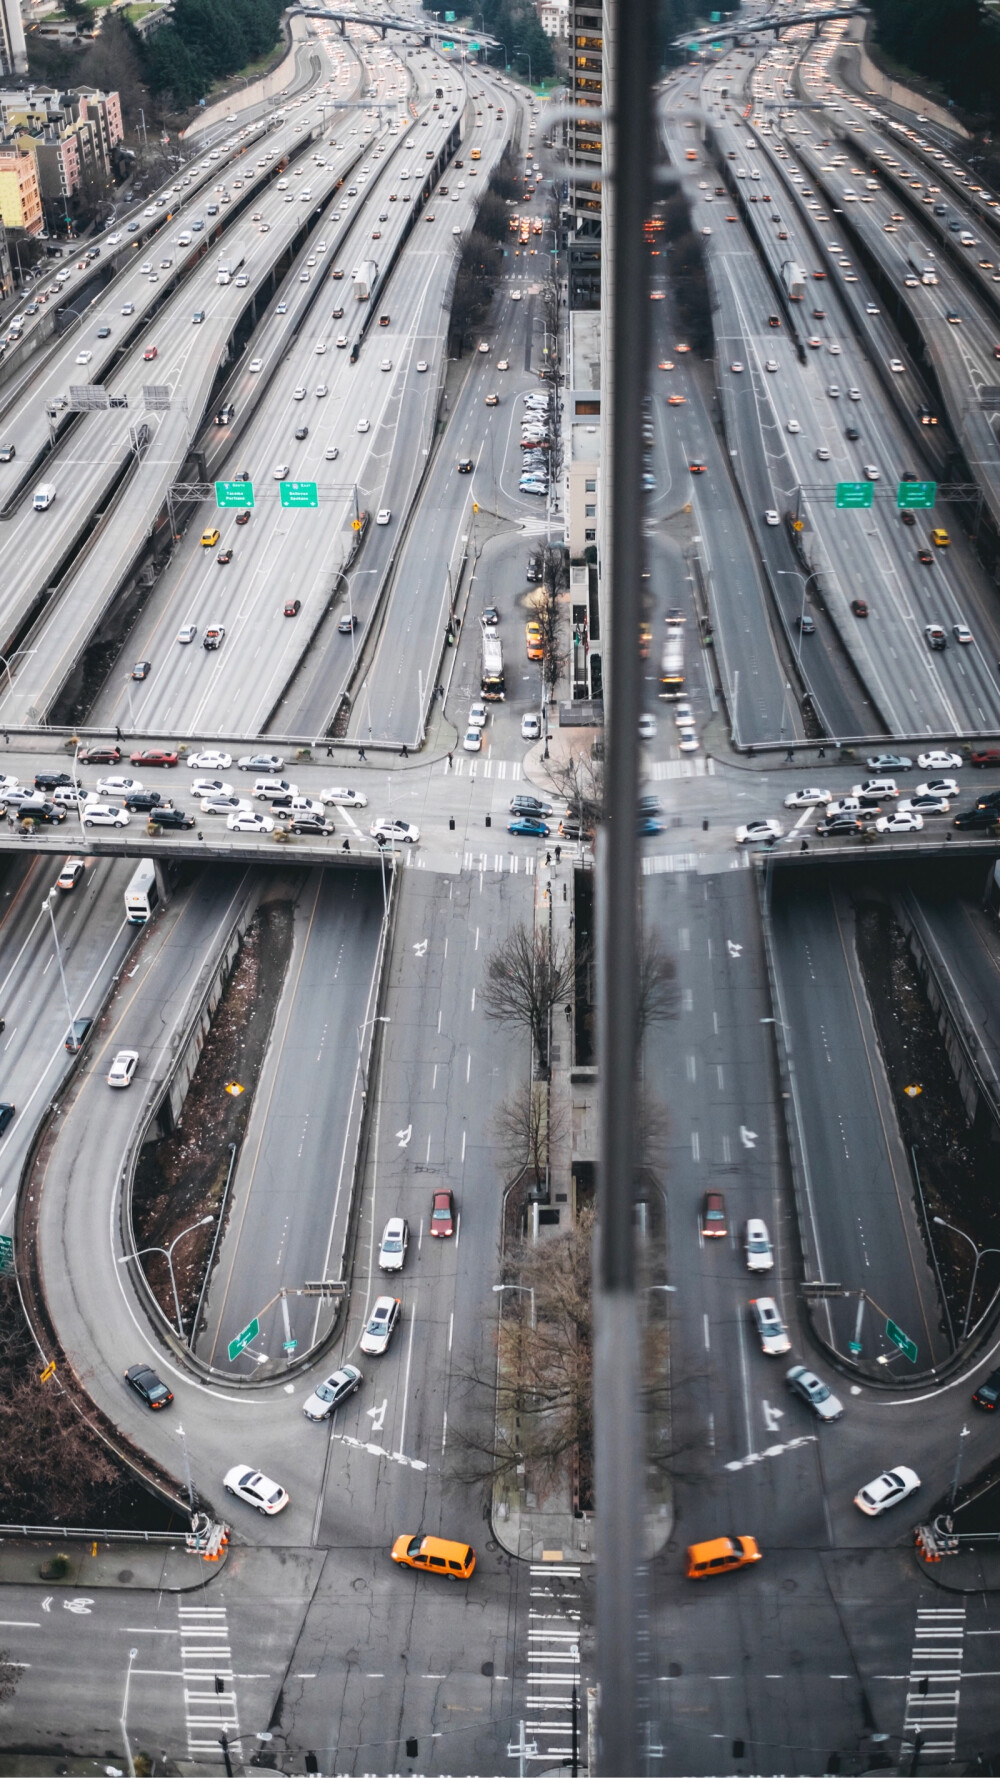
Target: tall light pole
6 660
380 1018
132 1654
805 579
47 904
523 52
137 1253
530 1290
980 1253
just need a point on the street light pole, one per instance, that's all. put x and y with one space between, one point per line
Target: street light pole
132 1653
980 1253
380 1018
530 1290
168 1252
47 903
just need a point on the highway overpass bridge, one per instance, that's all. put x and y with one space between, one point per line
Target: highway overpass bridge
734 30
426 29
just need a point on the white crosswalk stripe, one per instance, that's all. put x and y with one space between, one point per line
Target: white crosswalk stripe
474 765
662 769
662 862
499 861
206 1657
553 1686
934 1683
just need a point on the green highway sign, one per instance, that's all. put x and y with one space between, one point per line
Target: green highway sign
446 44
715 17
854 494
907 1346
854 1346
299 494
243 1339
449 18
916 493
6 1253
234 493
474 48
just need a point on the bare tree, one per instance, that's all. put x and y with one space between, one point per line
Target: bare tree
580 779
656 1001
526 1125
541 1412
551 618
526 977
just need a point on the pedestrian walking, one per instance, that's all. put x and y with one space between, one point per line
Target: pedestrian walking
361 753
346 844
449 762
558 856
404 751
118 732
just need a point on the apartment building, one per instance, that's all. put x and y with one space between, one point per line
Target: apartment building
20 196
584 146
72 135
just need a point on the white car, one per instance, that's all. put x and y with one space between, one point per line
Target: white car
210 761
256 1489
897 365
478 715
281 472
531 728
771 517
900 821
386 364
758 830
888 1489
387 829
736 367
188 633
105 815
244 821
647 727
395 1239
770 1327
255 365
687 740
938 761
221 802
961 633
84 357
381 1322
683 715
473 740
364 426
937 787
793 426
117 786
383 515
299 393
346 799
806 799
421 364
123 1068
320 348
823 453
757 1246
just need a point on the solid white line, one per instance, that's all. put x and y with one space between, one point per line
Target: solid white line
406 1384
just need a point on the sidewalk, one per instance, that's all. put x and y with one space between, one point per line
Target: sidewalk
971 1571
142 1567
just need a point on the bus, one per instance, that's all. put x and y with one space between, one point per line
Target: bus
142 895
672 661
474 156
491 683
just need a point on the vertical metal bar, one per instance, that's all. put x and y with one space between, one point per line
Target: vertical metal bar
629 147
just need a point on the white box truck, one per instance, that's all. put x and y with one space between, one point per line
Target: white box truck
228 268
363 278
45 493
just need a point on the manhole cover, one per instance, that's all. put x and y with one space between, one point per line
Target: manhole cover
359 1585
492 1544
125 1574
487 1669
790 1585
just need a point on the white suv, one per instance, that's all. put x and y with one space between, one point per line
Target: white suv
105 815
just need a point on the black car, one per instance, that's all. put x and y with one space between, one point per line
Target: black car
839 824
104 333
465 465
76 1034
51 780
225 415
7 1111
309 824
529 805
147 1385
978 817
141 669
140 800
851 432
49 813
491 615
988 1394
302 432
171 818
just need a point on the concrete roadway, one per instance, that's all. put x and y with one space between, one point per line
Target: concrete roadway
94 941
864 1226
291 1189
378 421
805 1653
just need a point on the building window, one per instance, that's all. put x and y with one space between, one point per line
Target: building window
587 407
590 512
590 536
590 487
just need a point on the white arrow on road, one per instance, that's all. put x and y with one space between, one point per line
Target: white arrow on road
420 950
377 1415
733 949
772 1416
748 1137
47 1602
403 1136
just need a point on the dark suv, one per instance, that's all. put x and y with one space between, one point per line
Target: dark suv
171 818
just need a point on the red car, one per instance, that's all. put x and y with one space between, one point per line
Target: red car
990 757
153 756
697 468
150 352
293 607
100 756
713 1216
243 518
859 607
442 1213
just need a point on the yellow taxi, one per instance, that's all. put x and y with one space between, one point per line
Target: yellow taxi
209 539
720 1555
435 1555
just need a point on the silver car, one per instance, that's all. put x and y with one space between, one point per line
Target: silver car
815 1393
395 1239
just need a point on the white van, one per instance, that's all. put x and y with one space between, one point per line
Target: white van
45 493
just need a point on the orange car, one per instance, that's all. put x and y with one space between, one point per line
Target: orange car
721 1555
676 400
533 637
